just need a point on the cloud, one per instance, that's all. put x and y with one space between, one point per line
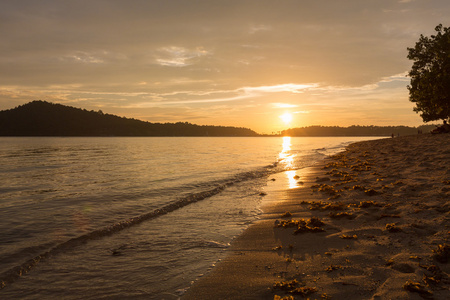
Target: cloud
287 87
174 56
284 105
259 28
83 57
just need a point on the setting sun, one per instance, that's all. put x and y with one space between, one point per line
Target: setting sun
286 118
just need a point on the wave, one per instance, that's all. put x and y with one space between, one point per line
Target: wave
16 272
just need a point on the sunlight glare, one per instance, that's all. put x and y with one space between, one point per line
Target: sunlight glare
293 184
286 118
285 154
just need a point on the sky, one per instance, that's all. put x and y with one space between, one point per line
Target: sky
218 62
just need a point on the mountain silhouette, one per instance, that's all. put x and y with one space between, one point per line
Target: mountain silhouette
41 118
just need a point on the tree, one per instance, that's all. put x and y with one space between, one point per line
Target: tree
430 75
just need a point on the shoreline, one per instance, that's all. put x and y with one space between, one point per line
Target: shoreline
384 205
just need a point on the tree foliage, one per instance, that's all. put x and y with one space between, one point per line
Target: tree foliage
430 75
356 130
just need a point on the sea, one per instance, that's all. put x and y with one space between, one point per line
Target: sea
132 217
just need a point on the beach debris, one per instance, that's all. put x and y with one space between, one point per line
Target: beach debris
304 291
334 197
276 297
304 229
436 277
359 187
286 215
360 167
392 227
371 192
432 268
349 237
314 221
431 280
415 257
367 204
277 248
296 177
341 215
312 225
287 223
309 225
286 285
331 165
442 253
331 268
416 287
263 194
320 205
328 189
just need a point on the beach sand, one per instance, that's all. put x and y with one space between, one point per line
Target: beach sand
372 222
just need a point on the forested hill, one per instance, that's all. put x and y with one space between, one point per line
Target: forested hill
356 130
41 118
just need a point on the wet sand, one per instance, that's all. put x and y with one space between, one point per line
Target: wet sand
372 222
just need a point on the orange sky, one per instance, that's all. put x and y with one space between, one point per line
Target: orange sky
238 63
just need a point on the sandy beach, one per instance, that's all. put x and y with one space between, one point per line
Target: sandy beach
372 222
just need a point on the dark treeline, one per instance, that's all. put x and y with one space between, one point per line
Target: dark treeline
41 118
356 130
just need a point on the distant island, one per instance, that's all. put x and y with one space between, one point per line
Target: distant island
42 118
356 130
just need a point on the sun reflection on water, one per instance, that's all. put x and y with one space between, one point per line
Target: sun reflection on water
292 179
287 159
285 154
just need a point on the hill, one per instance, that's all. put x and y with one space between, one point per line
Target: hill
41 118
356 130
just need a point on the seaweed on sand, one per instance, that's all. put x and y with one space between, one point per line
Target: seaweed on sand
341 215
367 204
371 192
442 253
331 268
416 287
349 237
392 227
320 205
286 285
286 215
310 225
304 291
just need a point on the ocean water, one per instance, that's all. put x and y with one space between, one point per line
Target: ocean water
131 218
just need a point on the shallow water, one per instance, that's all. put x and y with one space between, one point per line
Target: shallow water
131 217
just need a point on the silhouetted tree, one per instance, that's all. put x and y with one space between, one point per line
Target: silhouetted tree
430 75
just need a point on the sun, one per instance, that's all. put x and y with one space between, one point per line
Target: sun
286 118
